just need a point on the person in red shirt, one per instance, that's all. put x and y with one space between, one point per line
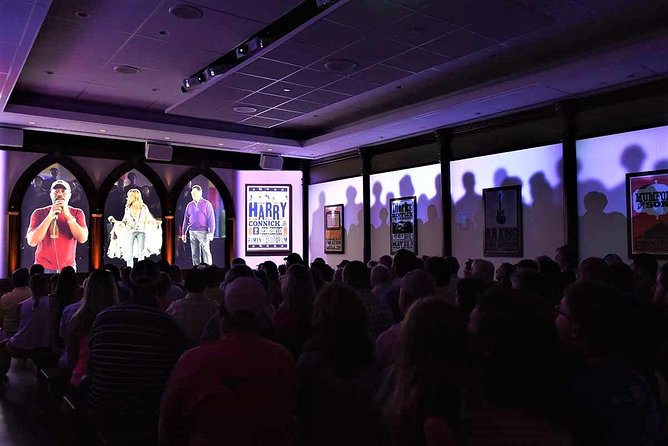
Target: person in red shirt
239 390
56 229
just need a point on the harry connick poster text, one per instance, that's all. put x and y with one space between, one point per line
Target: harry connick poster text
268 219
402 225
648 213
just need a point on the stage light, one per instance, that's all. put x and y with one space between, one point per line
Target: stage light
254 44
191 82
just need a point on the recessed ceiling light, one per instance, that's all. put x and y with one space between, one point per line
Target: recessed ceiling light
186 12
245 109
163 33
81 15
221 144
270 149
155 89
103 131
417 30
126 69
166 137
32 122
49 72
340 65
287 90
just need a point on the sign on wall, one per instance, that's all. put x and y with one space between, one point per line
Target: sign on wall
403 227
647 205
503 221
334 229
268 219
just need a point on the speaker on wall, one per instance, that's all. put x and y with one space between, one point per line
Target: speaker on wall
158 152
11 137
271 162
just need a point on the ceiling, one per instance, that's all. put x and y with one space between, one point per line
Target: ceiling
358 72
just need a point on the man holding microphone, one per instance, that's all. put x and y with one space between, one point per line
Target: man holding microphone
56 229
201 223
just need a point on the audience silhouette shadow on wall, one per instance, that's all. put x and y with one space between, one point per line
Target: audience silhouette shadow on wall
601 230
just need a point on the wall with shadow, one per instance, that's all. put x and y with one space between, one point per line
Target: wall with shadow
244 177
425 184
603 163
537 171
347 192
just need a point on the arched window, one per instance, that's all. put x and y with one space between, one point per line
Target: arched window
54 221
133 217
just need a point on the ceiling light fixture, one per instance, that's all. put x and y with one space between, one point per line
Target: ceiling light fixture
287 90
32 122
103 131
126 69
81 15
340 65
186 12
166 137
221 144
245 109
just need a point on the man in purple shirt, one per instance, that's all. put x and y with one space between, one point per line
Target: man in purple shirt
200 221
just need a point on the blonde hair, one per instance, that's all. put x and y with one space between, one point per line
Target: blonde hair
134 195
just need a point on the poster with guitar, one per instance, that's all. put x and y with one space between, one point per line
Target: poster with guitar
503 221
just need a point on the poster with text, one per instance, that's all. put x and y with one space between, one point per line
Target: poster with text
268 219
503 221
334 229
403 227
647 205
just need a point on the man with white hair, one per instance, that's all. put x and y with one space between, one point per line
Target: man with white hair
56 229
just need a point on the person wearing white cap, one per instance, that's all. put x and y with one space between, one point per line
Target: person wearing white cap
55 230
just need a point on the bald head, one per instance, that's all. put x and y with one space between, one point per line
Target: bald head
484 270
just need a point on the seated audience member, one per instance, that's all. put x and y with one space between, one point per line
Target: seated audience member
403 262
386 260
65 319
292 321
337 374
36 268
381 280
9 303
528 264
550 270
293 259
274 283
468 292
239 390
611 259
593 269
193 311
123 289
213 276
177 278
468 268
504 274
100 293
645 267
533 282
424 405
378 313
414 285
33 338
521 377
133 348
164 285
661 287
609 403
371 263
237 261
322 274
453 264
484 270
621 279
67 292
439 270
567 258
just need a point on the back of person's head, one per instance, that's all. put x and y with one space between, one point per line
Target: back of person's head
20 277
612 259
403 262
661 288
532 282
282 269
176 274
595 318
164 284
371 263
326 272
380 275
483 270
144 279
503 275
645 265
125 274
593 269
195 280
36 268
67 288
439 270
293 259
356 275
39 286
386 260
415 285
453 263
113 269
238 271
271 269
340 328
299 290
528 264
468 291
244 305
100 292
212 276
621 278
237 261
567 257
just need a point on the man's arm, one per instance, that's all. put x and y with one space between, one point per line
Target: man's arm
78 226
184 226
37 230
210 218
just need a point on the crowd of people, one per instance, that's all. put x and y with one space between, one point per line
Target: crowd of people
399 351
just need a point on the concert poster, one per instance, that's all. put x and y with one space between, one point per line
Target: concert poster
334 233
647 210
268 219
403 224
503 221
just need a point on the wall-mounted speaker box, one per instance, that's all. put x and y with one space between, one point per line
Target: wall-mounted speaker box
271 162
11 137
158 152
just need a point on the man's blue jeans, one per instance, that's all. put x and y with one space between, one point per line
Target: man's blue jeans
200 247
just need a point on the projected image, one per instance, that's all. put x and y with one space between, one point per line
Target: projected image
54 214
134 227
200 223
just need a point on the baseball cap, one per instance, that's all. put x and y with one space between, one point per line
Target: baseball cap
145 274
64 184
246 294
293 258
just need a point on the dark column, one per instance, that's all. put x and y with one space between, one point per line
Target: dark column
366 201
568 113
306 180
14 241
445 156
96 240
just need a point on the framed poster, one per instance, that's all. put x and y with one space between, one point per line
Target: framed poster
334 229
647 210
503 221
268 219
403 224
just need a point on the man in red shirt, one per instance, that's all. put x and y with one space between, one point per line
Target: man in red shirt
56 229
240 390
